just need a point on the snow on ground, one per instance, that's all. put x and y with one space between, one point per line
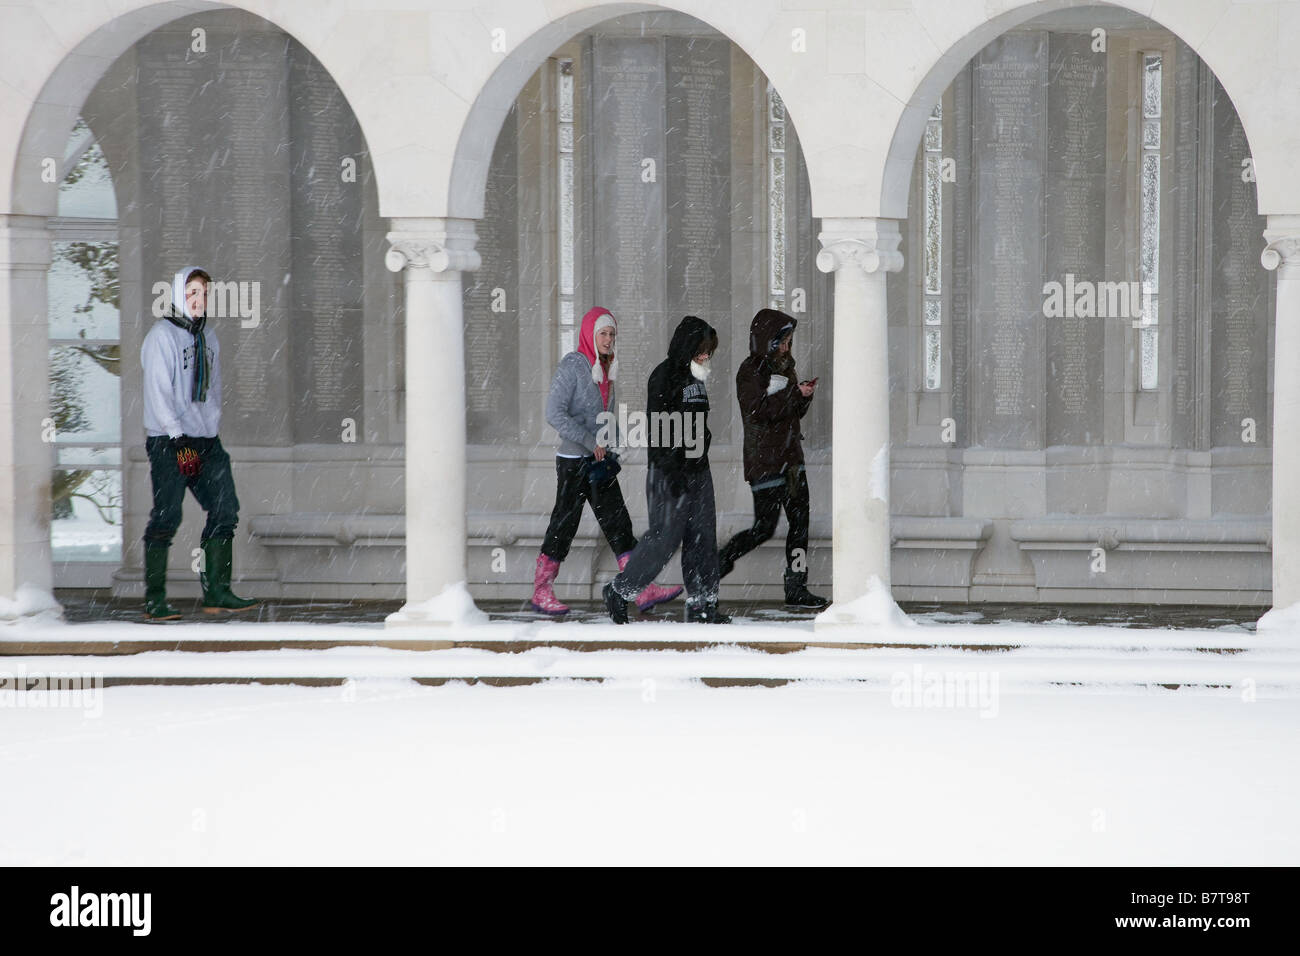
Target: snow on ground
31 606
1243 676
645 771
1018 656
86 533
857 762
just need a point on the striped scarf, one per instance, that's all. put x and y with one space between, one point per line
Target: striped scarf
202 360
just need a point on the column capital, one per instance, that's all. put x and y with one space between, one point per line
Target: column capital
439 245
868 244
1282 238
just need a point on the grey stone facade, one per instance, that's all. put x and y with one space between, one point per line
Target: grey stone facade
1035 466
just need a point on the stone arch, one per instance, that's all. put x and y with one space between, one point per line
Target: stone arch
64 67
897 166
482 124
61 96
514 85
1062 417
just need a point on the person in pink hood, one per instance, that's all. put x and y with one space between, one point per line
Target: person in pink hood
582 389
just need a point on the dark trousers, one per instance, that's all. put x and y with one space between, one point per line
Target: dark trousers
213 487
687 520
606 499
768 503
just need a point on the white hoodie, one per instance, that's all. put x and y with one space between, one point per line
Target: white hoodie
167 357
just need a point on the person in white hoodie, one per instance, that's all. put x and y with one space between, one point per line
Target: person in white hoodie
182 411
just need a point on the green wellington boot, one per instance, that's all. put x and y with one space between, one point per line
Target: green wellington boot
156 607
218 561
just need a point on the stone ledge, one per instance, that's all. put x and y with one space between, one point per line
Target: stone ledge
1128 557
919 531
324 529
1245 534
933 556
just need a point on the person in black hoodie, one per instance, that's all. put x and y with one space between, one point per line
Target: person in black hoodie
679 486
772 404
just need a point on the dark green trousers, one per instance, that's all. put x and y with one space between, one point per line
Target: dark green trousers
213 488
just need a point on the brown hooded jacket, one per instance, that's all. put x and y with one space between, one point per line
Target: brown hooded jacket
770 410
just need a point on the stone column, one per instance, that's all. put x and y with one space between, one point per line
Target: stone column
1282 254
860 252
432 253
26 444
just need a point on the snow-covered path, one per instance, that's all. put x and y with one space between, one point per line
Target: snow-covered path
639 771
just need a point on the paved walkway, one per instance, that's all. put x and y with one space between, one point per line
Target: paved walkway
82 607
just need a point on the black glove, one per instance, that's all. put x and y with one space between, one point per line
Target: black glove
187 456
677 483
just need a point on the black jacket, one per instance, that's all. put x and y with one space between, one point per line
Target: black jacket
770 415
673 388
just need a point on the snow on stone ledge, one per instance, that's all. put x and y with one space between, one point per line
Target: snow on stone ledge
876 608
454 606
30 604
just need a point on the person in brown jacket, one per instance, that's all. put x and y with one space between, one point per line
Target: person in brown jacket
772 403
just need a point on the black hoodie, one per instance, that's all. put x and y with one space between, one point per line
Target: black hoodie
770 414
673 388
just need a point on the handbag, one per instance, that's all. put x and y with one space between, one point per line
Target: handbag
599 472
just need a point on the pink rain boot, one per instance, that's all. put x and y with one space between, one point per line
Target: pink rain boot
652 593
544 598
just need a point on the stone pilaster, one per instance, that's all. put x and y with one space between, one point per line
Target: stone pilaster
1282 255
26 456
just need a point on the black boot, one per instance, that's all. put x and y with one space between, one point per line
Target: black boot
705 612
797 594
156 607
218 563
615 604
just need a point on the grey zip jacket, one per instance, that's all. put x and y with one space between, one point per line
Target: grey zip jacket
573 406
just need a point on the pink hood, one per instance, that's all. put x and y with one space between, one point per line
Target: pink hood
587 347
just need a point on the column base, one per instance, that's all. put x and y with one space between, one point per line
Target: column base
1279 620
452 608
876 608
30 604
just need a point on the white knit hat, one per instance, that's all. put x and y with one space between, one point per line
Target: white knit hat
603 321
